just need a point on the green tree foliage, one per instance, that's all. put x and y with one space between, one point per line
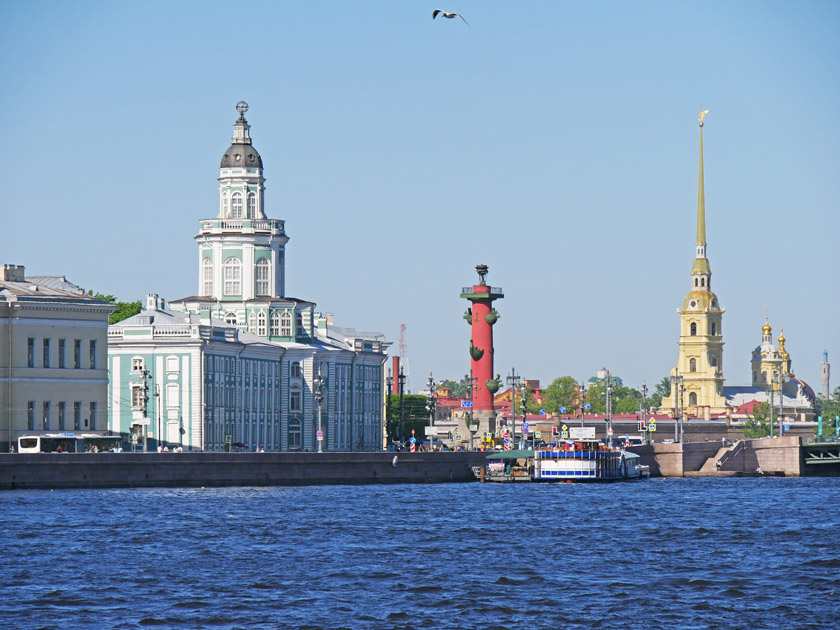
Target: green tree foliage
623 399
459 389
828 408
759 424
662 390
563 392
124 309
415 416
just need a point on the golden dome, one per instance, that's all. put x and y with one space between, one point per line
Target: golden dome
766 329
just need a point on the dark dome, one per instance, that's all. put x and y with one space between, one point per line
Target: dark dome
248 157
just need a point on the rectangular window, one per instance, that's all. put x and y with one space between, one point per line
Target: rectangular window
30 352
46 415
137 397
137 364
93 354
62 416
30 415
172 393
93 416
171 364
46 353
77 354
294 401
62 353
77 416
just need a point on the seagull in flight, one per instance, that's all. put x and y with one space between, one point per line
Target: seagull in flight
437 12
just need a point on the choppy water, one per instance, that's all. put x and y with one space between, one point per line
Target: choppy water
700 553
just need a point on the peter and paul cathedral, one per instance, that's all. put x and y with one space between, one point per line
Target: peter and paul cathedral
697 380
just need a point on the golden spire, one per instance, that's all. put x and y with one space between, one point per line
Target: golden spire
701 196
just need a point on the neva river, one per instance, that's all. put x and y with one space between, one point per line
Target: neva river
678 553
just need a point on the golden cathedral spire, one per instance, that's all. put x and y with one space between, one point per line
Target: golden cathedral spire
701 195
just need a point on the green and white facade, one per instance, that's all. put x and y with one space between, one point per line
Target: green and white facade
239 360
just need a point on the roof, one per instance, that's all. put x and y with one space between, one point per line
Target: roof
241 155
517 454
29 291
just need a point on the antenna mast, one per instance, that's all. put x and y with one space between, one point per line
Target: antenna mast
403 360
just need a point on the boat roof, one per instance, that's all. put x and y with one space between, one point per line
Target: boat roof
517 454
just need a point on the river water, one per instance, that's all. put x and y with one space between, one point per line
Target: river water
665 553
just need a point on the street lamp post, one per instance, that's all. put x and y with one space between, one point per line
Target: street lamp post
472 380
642 410
389 383
430 407
682 411
523 402
401 379
157 412
677 388
318 381
582 389
609 389
513 383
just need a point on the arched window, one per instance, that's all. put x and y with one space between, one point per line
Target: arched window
252 323
261 324
693 329
692 365
230 318
286 325
702 282
233 276
236 206
296 369
207 276
263 272
294 434
692 399
713 361
714 328
764 377
274 331
299 322
252 206
695 282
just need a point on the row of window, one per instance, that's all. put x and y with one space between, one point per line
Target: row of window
232 274
140 399
138 364
47 357
47 422
714 329
236 211
692 363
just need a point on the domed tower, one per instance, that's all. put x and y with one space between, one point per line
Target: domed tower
700 361
241 253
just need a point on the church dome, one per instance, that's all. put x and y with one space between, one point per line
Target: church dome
766 329
700 301
241 156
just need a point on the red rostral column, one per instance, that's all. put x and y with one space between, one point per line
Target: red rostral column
481 317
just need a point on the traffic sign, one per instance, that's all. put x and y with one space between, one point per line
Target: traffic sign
413 440
524 425
562 410
609 431
652 426
320 438
542 412
565 428
537 435
457 438
466 403
565 434
319 433
587 406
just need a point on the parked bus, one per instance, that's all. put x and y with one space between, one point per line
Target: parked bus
69 443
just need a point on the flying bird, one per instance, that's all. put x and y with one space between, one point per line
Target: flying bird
437 12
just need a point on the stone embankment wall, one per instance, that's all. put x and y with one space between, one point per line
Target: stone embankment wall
778 456
116 470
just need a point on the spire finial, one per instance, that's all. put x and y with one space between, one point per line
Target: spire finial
242 107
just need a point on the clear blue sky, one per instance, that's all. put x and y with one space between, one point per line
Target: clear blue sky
554 141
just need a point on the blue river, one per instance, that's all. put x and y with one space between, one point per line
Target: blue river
746 553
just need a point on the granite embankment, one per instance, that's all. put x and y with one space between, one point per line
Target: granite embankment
116 470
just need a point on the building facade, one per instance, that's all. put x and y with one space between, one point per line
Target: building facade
697 379
241 362
53 345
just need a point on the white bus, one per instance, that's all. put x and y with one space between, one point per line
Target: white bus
69 443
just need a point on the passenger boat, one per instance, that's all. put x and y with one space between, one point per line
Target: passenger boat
586 459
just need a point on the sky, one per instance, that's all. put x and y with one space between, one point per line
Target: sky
556 142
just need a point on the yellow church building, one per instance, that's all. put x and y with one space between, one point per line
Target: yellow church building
697 379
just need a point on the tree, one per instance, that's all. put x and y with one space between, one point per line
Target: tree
759 424
563 392
663 389
828 408
458 389
415 416
124 309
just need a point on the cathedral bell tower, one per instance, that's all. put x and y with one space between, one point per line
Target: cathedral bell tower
700 361
241 252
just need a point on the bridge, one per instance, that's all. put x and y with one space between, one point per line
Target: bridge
822 456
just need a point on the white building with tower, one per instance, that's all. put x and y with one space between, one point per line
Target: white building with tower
240 362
